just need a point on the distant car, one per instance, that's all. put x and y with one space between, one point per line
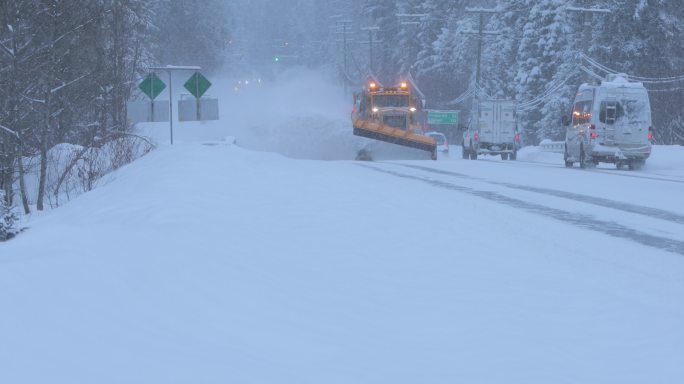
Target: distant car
442 143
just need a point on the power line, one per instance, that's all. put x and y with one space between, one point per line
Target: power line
529 104
586 17
651 80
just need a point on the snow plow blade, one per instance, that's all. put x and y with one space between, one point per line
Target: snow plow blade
386 133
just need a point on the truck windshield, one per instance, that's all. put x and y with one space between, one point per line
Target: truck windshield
385 101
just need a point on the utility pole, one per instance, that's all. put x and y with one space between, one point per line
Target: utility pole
346 61
586 19
413 19
370 45
481 12
345 41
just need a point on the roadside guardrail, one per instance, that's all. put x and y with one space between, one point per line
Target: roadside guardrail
552 146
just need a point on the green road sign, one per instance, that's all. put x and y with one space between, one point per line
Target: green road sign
443 117
152 86
197 85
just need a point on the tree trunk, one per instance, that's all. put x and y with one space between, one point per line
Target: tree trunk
43 176
22 183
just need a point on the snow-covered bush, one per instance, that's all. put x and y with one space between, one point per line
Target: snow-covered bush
7 219
75 169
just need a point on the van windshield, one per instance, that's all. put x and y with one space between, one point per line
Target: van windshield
438 138
581 113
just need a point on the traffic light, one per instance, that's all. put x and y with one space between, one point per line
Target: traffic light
276 59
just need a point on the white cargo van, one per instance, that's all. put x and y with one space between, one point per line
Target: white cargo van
610 123
493 132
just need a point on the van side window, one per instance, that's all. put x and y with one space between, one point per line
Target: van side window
581 113
610 112
636 110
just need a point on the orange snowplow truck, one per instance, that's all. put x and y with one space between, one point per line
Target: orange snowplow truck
390 114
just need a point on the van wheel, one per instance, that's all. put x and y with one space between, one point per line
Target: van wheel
583 157
504 156
636 164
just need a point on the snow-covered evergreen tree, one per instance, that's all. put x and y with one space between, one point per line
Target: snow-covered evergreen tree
436 15
451 65
646 38
383 14
8 219
545 64
192 32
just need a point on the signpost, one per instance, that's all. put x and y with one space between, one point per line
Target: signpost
170 69
197 85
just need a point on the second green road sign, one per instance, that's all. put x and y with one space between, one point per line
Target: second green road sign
197 85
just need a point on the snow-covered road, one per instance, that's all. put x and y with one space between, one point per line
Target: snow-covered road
214 264
639 206
207 262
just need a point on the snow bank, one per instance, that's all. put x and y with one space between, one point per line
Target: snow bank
73 169
666 160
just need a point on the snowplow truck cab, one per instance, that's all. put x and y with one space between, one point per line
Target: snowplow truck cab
390 114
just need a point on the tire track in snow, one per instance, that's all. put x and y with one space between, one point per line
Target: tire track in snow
577 219
654 213
612 172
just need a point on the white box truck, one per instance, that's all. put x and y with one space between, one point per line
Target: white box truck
493 131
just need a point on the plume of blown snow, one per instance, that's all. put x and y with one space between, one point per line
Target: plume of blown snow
299 114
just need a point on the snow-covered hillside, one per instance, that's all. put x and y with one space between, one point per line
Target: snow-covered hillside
209 262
